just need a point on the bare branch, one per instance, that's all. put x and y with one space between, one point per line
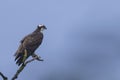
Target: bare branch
23 66
34 57
4 77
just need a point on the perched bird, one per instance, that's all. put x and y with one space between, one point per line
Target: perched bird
29 44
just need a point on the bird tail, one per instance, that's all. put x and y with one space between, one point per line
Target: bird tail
19 59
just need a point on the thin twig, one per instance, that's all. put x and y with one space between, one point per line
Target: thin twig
4 77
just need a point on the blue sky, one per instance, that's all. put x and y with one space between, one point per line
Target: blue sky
81 42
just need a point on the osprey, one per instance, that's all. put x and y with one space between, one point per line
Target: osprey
29 44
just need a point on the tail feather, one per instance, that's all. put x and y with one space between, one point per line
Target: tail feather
19 59
18 56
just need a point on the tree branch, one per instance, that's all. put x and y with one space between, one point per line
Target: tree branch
4 77
23 66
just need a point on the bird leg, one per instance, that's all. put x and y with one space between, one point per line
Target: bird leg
36 57
25 56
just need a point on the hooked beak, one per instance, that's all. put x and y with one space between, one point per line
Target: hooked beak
45 28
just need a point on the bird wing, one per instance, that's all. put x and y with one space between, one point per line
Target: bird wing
19 55
21 47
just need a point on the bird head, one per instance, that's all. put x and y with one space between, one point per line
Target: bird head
41 27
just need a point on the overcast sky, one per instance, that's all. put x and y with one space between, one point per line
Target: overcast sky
82 40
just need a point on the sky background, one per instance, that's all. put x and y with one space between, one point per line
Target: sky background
82 40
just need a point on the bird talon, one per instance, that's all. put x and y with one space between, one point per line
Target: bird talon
36 57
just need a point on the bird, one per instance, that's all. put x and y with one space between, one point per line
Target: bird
29 44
